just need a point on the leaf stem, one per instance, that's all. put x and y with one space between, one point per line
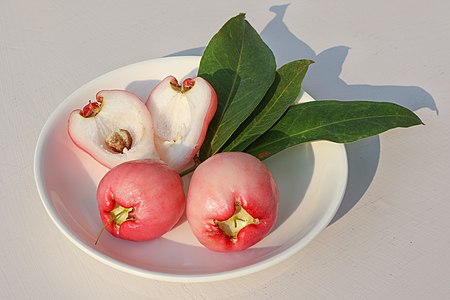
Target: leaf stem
197 162
107 224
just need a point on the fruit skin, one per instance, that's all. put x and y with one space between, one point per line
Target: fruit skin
114 110
153 190
217 185
181 114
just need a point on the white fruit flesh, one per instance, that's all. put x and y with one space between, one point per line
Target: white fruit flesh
179 119
119 110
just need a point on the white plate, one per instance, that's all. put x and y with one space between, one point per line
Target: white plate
312 179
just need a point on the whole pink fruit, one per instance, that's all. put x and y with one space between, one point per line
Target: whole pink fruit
232 202
141 199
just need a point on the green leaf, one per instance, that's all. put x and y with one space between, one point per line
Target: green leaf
282 94
241 68
336 121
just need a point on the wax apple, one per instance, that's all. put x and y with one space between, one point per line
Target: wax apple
232 202
115 128
181 114
140 200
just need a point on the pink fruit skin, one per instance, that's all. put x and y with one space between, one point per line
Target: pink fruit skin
216 185
208 117
152 189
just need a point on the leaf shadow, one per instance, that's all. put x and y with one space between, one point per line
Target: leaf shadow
323 82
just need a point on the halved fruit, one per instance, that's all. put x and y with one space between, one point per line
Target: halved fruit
114 129
181 114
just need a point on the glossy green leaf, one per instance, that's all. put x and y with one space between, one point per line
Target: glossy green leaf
282 94
241 68
336 121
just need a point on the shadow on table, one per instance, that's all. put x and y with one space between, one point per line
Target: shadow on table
323 82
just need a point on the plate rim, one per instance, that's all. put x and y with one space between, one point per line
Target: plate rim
142 272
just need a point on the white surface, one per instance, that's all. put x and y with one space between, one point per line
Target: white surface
390 237
312 180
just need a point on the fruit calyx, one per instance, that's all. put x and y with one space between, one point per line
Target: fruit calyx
239 220
119 215
187 84
92 108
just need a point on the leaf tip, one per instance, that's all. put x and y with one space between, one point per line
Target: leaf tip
241 15
417 118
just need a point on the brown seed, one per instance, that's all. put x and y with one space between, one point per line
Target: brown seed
119 140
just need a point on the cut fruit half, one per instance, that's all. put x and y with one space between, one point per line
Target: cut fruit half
114 129
181 115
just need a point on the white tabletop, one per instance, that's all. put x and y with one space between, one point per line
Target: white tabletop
391 236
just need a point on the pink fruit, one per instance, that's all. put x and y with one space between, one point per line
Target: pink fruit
114 129
181 115
232 202
140 200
